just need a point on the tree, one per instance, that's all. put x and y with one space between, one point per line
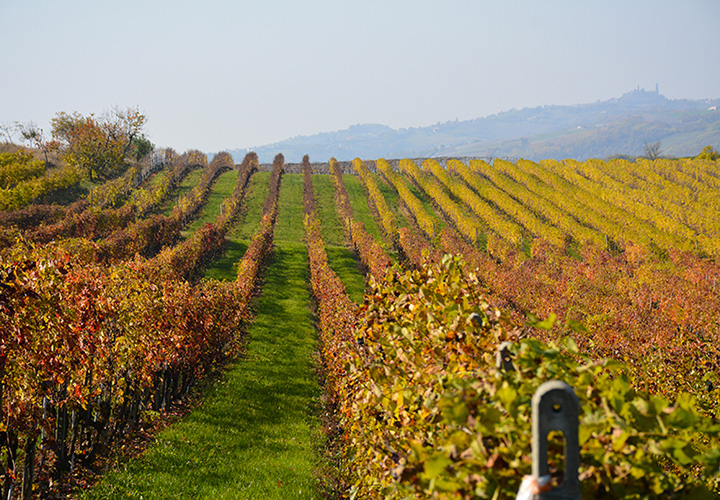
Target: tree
97 145
34 136
652 150
7 130
141 147
708 153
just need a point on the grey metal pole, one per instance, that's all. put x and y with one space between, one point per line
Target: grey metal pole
555 407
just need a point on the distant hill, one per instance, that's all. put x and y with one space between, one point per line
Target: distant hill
620 126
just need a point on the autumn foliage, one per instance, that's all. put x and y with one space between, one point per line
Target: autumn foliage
600 273
25 179
427 413
95 336
371 254
97 145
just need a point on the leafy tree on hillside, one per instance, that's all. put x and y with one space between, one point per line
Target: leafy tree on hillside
708 153
98 145
141 147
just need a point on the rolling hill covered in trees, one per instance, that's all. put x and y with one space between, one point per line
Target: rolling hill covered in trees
615 127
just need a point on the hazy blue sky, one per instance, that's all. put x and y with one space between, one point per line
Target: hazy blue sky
220 74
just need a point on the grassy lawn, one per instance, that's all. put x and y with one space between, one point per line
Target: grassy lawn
331 228
155 179
360 207
345 264
225 266
341 259
219 192
249 221
190 181
291 214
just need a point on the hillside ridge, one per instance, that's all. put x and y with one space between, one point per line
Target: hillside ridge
617 126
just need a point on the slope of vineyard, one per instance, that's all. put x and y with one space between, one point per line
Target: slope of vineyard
603 274
267 399
634 302
109 336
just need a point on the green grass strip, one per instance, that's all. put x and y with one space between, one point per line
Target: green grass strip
392 199
253 435
341 259
221 189
360 207
225 267
190 181
250 222
344 262
330 228
291 214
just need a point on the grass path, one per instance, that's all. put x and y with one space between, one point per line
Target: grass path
341 259
221 189
190 181
361 209
239 237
